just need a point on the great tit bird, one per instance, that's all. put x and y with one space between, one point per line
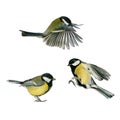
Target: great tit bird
60 33
83 73
37 86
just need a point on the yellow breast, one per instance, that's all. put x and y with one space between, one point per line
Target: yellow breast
38 90
82 74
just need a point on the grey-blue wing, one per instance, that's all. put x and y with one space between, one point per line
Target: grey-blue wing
98 72
63 39
32 83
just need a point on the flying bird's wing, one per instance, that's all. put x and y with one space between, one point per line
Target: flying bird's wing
98 72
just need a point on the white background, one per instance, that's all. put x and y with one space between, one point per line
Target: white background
22 58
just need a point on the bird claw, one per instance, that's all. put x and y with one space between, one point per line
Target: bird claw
77 25
39 100
72 82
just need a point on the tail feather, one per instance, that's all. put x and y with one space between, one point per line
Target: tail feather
15 81
104 92
25 33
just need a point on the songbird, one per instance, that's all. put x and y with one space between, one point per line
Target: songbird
83 73
60 33
37 86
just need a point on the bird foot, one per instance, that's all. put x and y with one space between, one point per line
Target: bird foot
72 82
39 100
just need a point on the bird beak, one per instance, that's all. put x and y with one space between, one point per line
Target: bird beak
68 65
54 79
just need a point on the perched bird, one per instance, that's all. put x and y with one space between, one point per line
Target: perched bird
83 73
60 33
37 86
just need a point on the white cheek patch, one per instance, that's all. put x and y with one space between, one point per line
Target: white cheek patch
65 21
47 79
76 63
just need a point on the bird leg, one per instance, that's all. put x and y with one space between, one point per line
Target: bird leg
39 100
72 81
77 25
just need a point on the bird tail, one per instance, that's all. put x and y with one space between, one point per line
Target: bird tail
104 92
15 81
25 33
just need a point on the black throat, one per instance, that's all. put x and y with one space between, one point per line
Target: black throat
50 84
73 69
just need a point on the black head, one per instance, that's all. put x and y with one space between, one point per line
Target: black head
74 62
47 77
66 20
